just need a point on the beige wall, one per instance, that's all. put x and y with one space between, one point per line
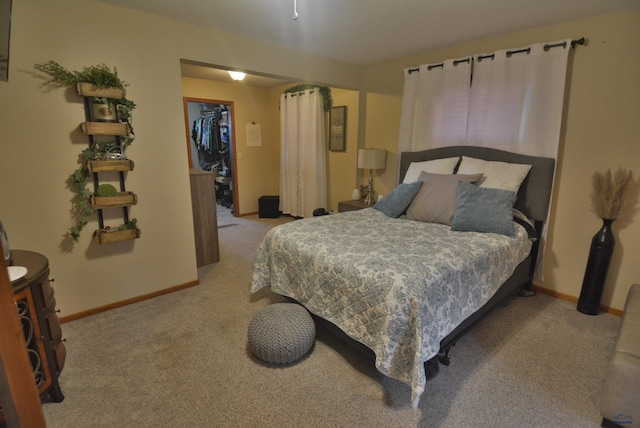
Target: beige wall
342 166
601 130
257 167
382 127
40 142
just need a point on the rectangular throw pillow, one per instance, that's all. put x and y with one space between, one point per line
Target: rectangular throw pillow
396 202
437 198
435 166
484 209
497 175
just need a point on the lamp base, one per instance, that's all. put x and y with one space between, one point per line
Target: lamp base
369 199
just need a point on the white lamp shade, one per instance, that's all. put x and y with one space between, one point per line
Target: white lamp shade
372 158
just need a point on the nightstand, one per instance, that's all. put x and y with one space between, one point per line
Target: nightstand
36 306
352 205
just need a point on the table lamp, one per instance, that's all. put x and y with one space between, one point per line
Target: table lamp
371 159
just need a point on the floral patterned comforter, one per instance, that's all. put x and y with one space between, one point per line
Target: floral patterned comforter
398 286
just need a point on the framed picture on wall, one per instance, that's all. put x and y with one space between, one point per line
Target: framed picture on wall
5 25
338 128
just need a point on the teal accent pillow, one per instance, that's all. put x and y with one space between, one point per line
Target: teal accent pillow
396 202
484 209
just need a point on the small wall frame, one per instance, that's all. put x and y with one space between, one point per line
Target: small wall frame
338 128
5 25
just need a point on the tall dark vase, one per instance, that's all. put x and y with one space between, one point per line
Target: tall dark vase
595 275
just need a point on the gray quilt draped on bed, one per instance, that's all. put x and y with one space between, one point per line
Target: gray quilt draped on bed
397 286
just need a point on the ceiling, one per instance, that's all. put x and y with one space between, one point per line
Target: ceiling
369 31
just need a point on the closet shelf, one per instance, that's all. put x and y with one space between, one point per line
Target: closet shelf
111 165
107 237
122 199
90 90
102 128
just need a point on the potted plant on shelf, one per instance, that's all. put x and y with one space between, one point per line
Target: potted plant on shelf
127 230
110 97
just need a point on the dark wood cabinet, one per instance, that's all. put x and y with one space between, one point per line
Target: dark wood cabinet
352 205
205 220
36 303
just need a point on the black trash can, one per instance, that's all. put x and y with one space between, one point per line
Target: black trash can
268 207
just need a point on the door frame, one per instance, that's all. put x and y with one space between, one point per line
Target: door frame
232 145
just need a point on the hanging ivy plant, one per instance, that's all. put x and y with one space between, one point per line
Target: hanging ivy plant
81 207
102 77
324 91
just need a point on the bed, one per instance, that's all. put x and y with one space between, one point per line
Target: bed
404 286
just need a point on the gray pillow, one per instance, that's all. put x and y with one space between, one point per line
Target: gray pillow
396 202
483 209
436 200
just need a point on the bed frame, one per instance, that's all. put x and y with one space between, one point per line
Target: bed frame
533 200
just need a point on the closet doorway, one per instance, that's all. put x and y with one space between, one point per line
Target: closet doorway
210 141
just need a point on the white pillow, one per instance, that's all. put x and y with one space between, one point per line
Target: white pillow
497 175
436 166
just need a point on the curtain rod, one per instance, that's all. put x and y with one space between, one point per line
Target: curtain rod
574 43
580 41
295 94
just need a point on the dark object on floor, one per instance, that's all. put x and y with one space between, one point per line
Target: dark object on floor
281 333
320 211
268 207
595 275
224 191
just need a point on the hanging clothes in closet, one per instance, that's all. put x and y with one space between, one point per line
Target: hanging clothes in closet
210 140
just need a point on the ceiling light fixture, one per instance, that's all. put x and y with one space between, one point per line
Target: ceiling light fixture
295 10
237 75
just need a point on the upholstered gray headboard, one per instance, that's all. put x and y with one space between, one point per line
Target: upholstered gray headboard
534 195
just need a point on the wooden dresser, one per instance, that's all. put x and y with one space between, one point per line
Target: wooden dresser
351 205
205 221
41 326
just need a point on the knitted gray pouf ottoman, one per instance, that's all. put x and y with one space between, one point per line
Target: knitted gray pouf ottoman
281 333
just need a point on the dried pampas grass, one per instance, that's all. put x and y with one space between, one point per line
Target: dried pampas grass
609 191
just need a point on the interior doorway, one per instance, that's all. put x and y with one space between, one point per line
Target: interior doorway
210 140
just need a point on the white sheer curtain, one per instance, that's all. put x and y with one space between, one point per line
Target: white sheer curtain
435 105
303 172
514 103
516 99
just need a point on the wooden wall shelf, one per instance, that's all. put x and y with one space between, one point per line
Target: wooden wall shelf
111 127
111 165
122 199
90 90
105 128
103 237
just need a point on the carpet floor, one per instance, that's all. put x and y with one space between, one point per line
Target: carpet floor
181 360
